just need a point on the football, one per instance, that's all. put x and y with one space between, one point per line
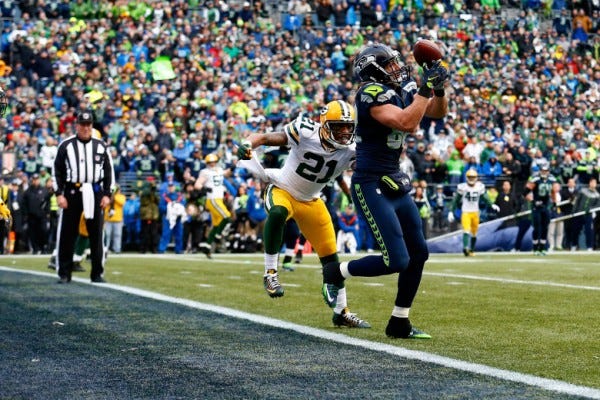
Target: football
426 51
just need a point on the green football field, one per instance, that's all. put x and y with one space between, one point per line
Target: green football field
536 317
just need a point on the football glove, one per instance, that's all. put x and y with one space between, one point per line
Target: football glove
495 207
451 217
244 151
435 76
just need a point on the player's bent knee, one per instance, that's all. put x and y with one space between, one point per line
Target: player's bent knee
278 214
398 262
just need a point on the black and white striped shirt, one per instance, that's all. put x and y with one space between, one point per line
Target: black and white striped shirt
83 162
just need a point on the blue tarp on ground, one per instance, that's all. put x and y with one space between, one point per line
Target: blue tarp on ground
492 236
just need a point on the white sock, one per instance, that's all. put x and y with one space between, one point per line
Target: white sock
271 261
400 312
342 302
344 270
300 247
289 252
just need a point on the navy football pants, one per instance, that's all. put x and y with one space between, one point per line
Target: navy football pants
540 217
396 225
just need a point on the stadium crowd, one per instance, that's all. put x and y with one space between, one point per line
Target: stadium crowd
171 82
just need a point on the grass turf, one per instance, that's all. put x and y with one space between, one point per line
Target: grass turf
520 323
84 342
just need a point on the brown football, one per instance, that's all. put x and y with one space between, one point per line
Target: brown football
426 51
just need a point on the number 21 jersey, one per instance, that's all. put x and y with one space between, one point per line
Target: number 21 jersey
309 167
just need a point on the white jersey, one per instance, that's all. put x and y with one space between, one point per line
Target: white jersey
309 167
470 195
214 180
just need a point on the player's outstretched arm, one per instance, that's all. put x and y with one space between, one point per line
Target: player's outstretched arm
425 102
244 151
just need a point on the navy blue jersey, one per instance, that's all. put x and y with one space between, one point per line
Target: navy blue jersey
542 190
378 147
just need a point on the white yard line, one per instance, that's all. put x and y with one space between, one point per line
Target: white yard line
515 281
438 274
532 380
248 259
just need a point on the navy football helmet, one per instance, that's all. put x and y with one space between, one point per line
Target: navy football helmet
545 170
379 63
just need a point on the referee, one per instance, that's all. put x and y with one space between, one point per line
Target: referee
83 175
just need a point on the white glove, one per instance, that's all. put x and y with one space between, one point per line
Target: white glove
451 217
495 207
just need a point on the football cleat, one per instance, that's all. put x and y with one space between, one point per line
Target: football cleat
272 285
77 267
206 249
52 263
298 258
418 334
466 252
401 328
287 267
346 318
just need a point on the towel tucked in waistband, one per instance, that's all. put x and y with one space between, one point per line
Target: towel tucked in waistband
87 197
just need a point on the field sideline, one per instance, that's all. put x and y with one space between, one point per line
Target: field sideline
549 305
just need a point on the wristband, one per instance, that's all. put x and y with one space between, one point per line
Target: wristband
425 92
439 92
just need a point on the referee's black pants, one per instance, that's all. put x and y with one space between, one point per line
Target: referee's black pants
68 229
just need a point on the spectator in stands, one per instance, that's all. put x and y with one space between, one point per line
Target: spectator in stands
510 167
348 231
506 91
568 194
587 200
491 169
556 228
15 201
131 222
427 167
149 216
508 202
35 204
257 213
113 221
145 163
422 203
173 212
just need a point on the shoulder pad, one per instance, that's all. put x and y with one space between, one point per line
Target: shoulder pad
373 89
376 93
409 86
